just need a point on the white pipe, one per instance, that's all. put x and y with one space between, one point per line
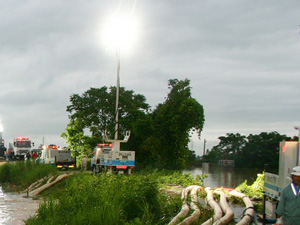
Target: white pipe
219 220
214 205
196 213
185 207
249 212
229 215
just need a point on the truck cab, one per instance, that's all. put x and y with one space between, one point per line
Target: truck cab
20 147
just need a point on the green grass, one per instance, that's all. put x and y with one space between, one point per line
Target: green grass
23 173
108 199
103 199
112 199
166 177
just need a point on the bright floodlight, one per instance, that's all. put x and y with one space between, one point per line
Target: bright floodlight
120 31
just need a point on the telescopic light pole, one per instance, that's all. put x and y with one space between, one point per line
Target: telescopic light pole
117 93
119 33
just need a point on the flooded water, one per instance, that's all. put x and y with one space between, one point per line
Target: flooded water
14 208
225 176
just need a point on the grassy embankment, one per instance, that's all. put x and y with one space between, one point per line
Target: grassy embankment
16 176
109 199
104 199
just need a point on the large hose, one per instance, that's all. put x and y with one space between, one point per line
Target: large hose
214 205
248 215
185 207
249 211
48 184
196 213
226 209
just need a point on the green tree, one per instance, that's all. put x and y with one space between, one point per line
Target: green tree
93 113
253 151
160 138
172 122
214 155
230 147
262 149
142 142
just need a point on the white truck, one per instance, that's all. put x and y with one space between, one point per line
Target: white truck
274 183
61 158
109 157
20 147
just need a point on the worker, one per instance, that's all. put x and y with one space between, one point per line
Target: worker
28 156
8 153
84 163
288 210
34 155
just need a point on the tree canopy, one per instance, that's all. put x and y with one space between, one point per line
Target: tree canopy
159 138
93 113
173 120
253 151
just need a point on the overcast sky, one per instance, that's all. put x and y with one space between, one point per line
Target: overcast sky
242 58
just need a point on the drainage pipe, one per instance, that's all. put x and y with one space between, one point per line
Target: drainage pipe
226 209
185 207
47 185
214 205
249 212
196 213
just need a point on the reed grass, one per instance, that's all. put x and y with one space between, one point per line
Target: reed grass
23 173
108 199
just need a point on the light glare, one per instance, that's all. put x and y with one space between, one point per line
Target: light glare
120 31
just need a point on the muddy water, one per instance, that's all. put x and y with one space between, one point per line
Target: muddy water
14 208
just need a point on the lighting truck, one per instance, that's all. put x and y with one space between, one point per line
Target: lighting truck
108 157
61 158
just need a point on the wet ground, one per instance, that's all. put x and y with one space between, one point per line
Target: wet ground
14 208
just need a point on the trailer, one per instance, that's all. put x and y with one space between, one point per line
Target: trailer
274 183
61 158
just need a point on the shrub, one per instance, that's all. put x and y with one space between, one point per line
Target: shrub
255 190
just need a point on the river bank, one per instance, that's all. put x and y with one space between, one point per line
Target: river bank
132 195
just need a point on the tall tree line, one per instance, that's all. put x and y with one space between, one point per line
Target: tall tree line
253 151
159 137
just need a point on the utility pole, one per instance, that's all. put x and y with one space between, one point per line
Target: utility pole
204 147
298 150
